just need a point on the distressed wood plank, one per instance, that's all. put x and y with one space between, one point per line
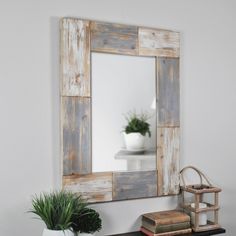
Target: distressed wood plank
75 57
96 187
157 42
137 184
76 135
114 38
168 160
168 92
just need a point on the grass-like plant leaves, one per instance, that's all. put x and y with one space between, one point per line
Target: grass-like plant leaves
57 209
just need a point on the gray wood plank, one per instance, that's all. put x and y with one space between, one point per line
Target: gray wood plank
76 135
75 57
114 38
168 92
137 184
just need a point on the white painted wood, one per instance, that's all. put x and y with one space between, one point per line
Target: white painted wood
96 187
168 161
157 42
75 57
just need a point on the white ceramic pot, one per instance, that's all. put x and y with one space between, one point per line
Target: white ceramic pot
134 141
48 232
85 234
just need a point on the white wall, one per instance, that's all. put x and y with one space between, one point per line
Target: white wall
29 100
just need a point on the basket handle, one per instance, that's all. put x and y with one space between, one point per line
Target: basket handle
201 175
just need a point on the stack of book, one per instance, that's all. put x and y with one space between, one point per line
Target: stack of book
165 223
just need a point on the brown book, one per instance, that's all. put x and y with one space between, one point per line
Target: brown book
171 233
165 228
166 217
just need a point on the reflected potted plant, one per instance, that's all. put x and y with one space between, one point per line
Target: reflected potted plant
135 131
56 210
87 223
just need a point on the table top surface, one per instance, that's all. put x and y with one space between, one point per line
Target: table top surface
205 233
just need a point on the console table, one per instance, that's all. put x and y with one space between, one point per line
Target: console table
205 233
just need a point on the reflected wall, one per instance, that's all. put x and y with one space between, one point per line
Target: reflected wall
120 84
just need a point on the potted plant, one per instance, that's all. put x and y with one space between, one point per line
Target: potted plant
136 130
57 210
87 223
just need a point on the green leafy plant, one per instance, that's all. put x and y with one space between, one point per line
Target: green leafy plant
57 209
137 123
88 221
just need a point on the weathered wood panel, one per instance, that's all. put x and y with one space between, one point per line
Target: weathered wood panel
76 36
75 57
168 160
114 38
156 42
168 92
137 184
76 135
96 187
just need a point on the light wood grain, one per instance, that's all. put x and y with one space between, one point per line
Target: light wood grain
75 57
136 184
76 135
114 38
168 92
157 42
96 187
168 160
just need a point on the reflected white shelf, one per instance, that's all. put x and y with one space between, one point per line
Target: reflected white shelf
127 155
138 161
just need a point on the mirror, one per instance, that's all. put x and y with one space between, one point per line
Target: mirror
121 84
108 70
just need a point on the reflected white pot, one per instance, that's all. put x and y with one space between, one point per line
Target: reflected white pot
134 141
48 232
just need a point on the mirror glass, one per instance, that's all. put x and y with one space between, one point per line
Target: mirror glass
122 85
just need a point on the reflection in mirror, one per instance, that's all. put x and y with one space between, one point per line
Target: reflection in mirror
121 85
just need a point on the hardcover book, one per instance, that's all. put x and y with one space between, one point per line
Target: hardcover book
171 233
165 228
166 217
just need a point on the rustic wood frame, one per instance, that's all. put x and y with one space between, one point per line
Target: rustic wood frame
78 39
